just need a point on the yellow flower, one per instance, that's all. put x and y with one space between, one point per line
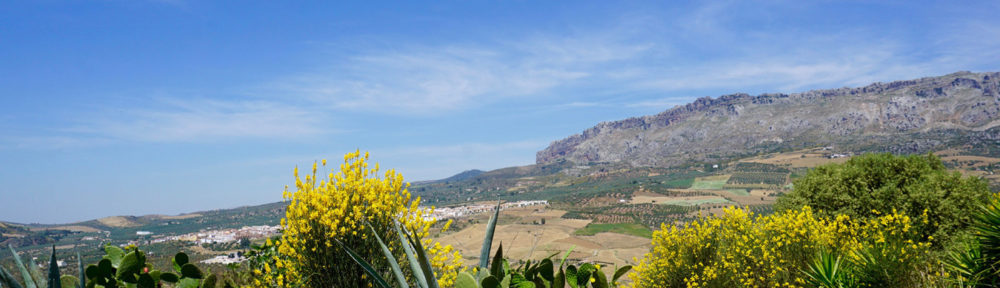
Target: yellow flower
323 210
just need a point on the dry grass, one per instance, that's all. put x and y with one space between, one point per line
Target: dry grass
74 228
117 221
807 158
678 200
527 241
179 217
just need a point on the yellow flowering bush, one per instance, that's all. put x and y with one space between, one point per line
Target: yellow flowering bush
741 249
321 212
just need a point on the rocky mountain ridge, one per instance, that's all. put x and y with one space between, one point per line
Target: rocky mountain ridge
908 116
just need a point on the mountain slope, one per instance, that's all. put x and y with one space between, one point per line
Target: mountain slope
910 116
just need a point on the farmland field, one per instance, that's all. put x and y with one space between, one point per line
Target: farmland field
710 182
621 228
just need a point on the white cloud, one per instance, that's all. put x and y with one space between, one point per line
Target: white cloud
432 80
197 120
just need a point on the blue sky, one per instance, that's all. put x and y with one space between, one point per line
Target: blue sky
163 107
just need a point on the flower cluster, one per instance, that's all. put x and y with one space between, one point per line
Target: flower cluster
339 209
741 249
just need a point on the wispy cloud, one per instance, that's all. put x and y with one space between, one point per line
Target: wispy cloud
198 120
430 80
645 60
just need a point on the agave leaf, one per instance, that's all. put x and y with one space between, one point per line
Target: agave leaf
425 264
7 279
54 279
83 275
28 282
563 261
411 256
497 269
392 259
484 254
826 271
365 265
36 274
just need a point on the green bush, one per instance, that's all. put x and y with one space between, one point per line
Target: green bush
870 184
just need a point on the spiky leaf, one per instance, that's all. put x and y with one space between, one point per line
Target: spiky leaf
36 274
54 280
7 279
411 255
365 265
484 254
497 269
28 282
400 279
83 277
425 264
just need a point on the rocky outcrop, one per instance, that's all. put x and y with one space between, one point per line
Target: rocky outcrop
740 124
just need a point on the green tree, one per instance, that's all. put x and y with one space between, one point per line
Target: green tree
870 185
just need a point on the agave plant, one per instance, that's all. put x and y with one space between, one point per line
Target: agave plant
827 270
978 264
8 279
492 272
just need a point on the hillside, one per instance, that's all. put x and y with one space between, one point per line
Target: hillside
911 116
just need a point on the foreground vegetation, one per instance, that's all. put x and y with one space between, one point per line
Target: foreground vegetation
877 220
